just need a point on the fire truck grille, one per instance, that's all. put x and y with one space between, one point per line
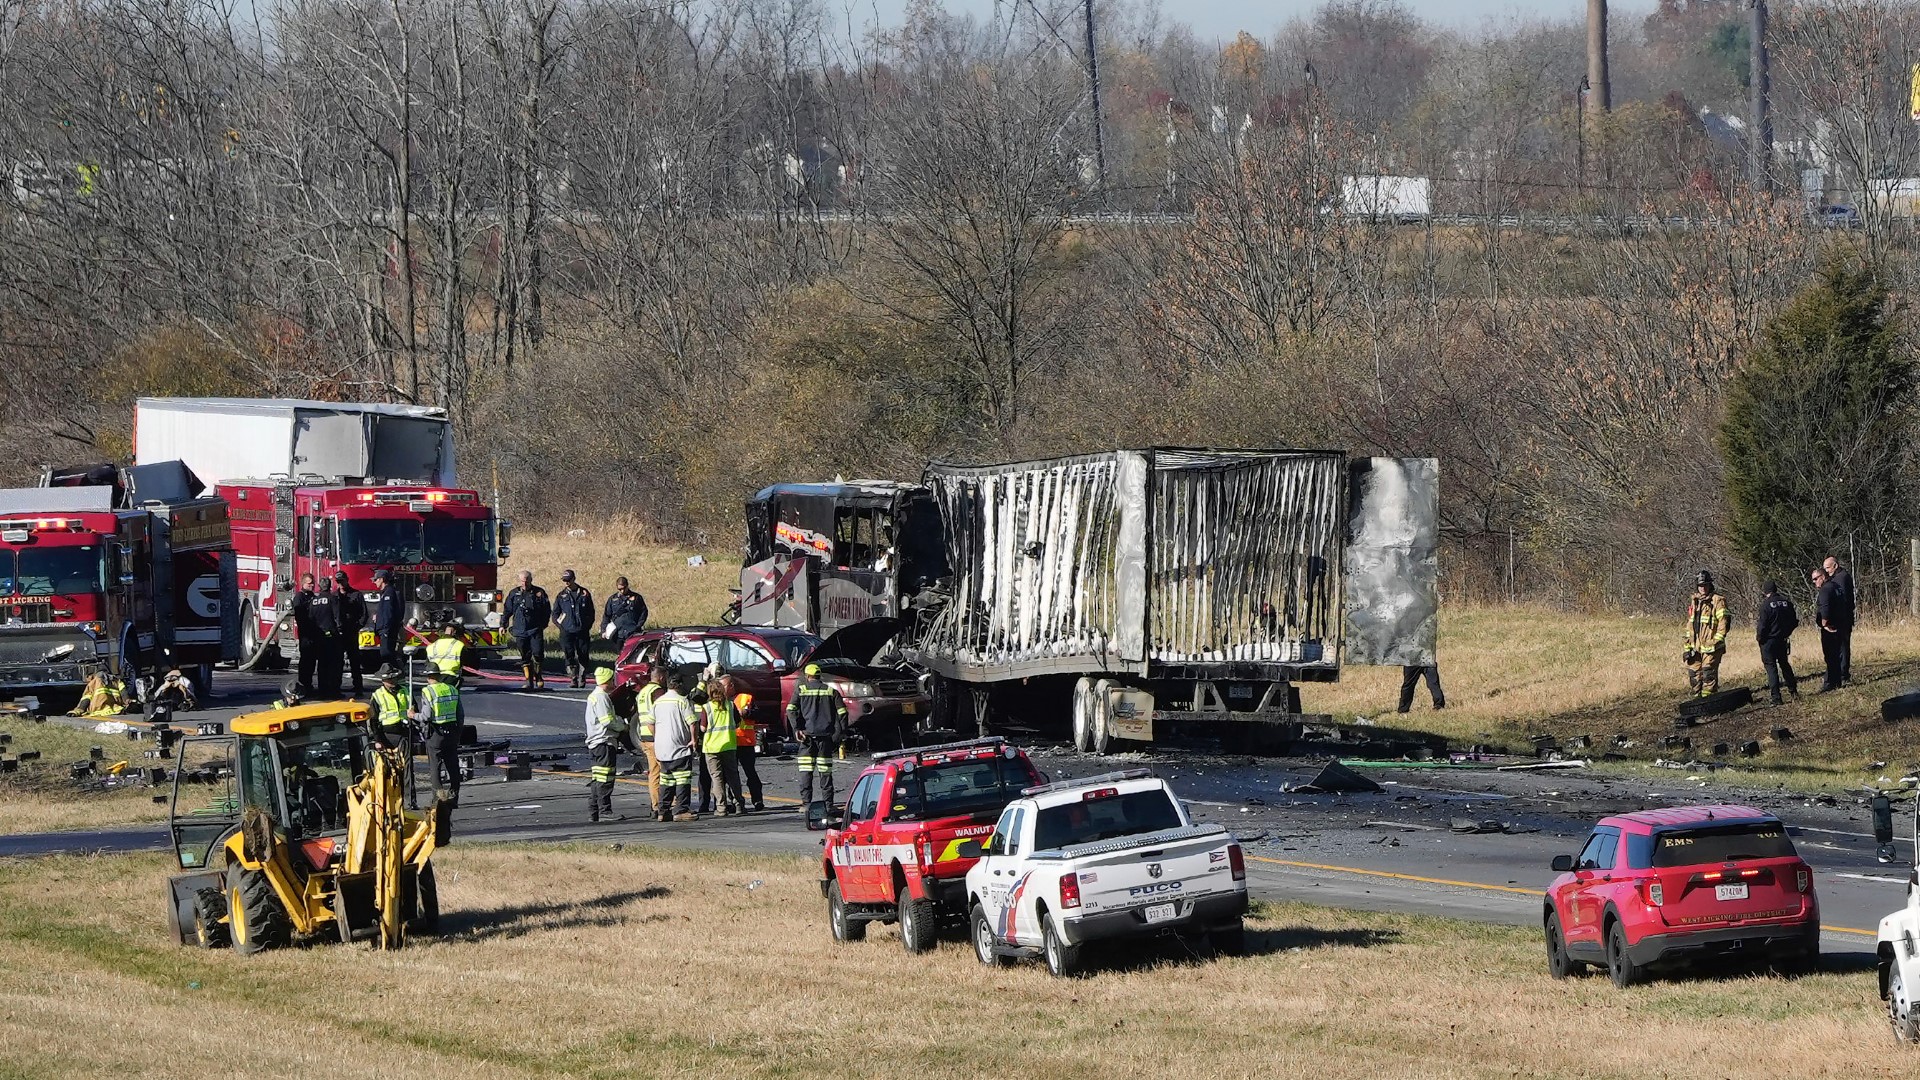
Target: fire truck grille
441 581
13 613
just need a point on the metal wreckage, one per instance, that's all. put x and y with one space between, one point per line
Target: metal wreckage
1144 596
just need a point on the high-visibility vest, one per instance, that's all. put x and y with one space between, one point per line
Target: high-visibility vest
720 730
443 702
644 708
390 708
444 654
745 732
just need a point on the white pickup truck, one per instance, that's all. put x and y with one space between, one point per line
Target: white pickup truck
1105 857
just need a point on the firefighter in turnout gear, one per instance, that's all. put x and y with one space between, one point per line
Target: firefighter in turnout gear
818 716
439 714
1707 624
604 729
389 720
573 617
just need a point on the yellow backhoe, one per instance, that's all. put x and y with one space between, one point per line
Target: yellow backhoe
293 827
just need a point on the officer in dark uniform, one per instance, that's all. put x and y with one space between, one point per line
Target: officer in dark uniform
307 634
573 617
389 619
325 610
1773 626
351 609
626 613
528 612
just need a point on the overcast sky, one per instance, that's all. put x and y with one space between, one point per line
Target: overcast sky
1223 18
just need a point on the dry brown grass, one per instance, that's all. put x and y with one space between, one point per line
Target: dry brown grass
644 963
677 594
40 796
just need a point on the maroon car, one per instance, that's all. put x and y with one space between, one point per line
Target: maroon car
884 705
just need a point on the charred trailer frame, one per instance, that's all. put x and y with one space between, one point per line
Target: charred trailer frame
1140 593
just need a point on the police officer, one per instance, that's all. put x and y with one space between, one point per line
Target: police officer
389 704
439 714
528 612
1772 628
325 611
1840 616
573 617
306 633
673 742
389 618
352 609
818 716
604 728
626 613
1707 625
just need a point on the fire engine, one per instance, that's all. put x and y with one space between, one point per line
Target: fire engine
118 572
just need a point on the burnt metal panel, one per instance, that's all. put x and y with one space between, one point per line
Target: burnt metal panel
1392 561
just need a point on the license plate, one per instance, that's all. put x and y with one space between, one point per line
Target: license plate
909 707
1730 892
1160 912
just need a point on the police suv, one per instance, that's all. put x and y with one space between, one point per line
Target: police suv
1106 857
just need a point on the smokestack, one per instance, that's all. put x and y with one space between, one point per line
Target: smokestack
1760 139
1601 98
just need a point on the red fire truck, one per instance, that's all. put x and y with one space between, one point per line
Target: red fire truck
122 572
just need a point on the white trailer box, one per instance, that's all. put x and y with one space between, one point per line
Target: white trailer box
227 439
1386 198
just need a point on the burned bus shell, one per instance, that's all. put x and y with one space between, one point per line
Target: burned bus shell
822 557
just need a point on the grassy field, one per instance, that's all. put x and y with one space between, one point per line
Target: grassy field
41 797
579 962
677 594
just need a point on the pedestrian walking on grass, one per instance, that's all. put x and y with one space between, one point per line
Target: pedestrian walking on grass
1707 625
573 617
1773 627
605 726
1410 676
1842 616
673 743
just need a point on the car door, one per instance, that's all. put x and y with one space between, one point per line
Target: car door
997 867
206 804
861 877
1592 872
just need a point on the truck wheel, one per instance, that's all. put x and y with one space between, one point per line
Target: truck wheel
1900 1010
1082 718
983 941
1619 964
919 924
844 928
1063 960
254 914
249 634
1559 964
1098 720
207 907
1230 940
426 903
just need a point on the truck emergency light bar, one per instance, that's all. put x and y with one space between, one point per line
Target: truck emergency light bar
994 741
42 524
415 496
1084 781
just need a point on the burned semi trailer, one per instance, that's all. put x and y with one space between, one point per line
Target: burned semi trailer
822 557
1144 593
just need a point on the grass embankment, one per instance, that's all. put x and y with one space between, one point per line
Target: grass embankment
645 963
41 796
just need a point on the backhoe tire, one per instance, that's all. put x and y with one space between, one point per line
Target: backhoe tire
256 920
207 905
426 904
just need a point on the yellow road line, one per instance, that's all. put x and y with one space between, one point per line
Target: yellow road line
1473 885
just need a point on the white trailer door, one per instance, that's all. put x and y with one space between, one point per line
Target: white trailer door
331 444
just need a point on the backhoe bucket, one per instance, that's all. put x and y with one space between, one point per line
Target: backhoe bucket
356 906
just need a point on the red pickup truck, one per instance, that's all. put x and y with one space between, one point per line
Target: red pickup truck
893 855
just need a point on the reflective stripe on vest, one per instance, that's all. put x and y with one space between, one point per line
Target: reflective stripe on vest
391 708
745 733
444 654
644 715
445 703
720 732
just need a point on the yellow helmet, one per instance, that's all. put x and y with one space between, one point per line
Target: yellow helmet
602 676
813 669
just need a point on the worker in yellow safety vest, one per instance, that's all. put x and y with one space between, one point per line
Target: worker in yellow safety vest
390 730
439 713
720 743
747 736
655 685
447 652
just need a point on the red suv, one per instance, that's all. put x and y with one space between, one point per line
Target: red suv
1686 883
884 705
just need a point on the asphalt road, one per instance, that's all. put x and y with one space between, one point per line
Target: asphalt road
1392 851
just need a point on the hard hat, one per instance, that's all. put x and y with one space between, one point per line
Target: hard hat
813 669
602 676
1703 578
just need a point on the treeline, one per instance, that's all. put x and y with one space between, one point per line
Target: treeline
654 255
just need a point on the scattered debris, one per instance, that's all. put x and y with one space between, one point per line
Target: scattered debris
1336 779
1532 766
1750 748
1781 734
110 727
1721 749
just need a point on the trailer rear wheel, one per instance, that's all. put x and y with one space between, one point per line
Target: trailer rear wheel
1099 717
1082 715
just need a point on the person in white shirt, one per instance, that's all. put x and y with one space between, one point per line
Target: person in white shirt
673 745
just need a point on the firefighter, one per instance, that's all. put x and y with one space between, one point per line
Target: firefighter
573 617
325 610
818 716
352 608
721 744
290 695
673 743
1707 623
528 612
748 736
604 730
439 715
306 633
389 618
626 614
390 730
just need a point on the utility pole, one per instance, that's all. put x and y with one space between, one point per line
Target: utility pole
1093 81
1760 138
1580 136
1597 56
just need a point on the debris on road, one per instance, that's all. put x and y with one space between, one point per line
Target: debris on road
1336 779
1534 766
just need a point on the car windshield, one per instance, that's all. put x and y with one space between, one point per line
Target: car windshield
793 647
956 788
1089 820
1729 843
381 540
52 571
452 541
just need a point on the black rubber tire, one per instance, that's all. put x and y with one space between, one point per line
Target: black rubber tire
980 932
1063 960
1715 704
844 929
1620 965
426 903
1900 707
1560 965
919 924
1229 940
256 920
206 907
